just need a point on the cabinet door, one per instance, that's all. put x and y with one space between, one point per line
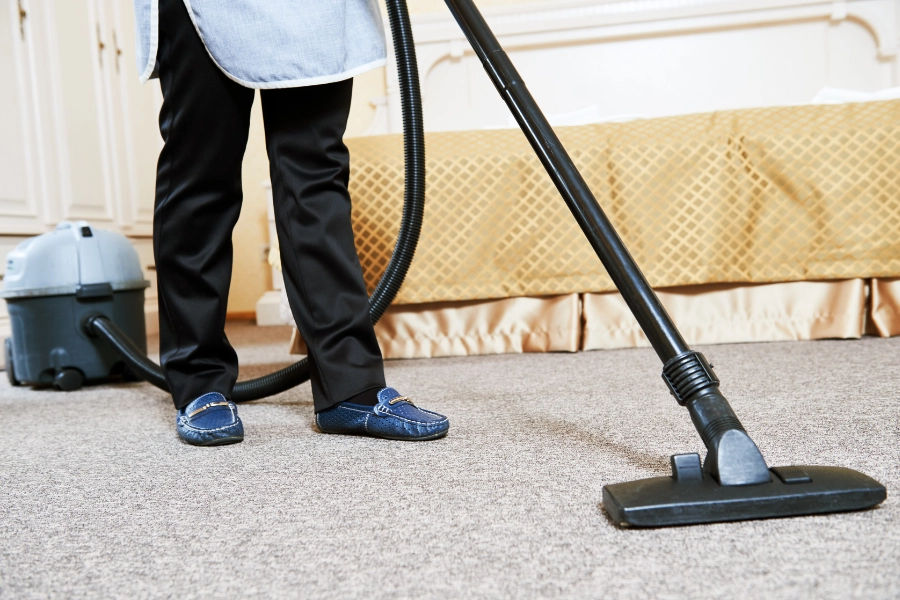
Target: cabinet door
80 52
22 195
133 121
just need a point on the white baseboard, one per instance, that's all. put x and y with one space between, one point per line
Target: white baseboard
268 309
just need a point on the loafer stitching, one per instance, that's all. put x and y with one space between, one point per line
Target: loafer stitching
384 412
201 431
392 415
187 425
365 412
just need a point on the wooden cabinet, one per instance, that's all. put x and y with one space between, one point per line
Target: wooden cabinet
133 112
79 135
22 190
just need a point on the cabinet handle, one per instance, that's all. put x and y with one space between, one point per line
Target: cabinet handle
118 50
100 46
22 16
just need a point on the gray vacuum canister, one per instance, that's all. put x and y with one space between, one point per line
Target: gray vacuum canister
52 282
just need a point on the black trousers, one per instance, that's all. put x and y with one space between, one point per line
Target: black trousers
204 121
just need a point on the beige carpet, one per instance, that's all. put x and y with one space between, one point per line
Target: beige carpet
99 498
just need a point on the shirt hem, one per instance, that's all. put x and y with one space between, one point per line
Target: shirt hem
154 42
269 85
304 82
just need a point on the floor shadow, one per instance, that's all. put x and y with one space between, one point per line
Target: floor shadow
559 427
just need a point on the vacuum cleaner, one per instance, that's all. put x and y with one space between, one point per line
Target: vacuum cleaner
52 283
734 482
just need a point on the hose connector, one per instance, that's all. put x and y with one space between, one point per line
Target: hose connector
687 375
87 323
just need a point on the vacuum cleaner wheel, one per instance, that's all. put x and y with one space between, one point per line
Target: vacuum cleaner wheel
68 380
10 367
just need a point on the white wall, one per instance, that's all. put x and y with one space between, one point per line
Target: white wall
655 58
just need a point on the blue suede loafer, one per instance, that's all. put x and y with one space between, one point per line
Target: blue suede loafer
210 420
395 417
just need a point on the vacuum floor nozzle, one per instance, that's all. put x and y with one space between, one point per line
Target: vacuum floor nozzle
691 496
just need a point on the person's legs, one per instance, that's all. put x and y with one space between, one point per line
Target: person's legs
310 169
204 122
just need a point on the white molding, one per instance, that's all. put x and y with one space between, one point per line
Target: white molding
37 121
585 14
380 121
268 309
74 209
108 150
127 206
439 38
64 183
26 214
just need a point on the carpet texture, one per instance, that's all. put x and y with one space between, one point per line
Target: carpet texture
99 498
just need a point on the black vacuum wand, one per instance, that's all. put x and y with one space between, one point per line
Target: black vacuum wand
734 483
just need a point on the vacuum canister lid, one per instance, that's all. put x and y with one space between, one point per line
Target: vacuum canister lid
75 258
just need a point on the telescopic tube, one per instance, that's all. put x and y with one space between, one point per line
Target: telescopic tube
733 458
620 265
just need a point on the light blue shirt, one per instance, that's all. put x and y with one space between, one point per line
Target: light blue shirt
275 43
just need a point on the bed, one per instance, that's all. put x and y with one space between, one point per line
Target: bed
753 225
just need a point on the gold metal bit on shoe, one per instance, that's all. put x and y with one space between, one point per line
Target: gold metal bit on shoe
210 405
